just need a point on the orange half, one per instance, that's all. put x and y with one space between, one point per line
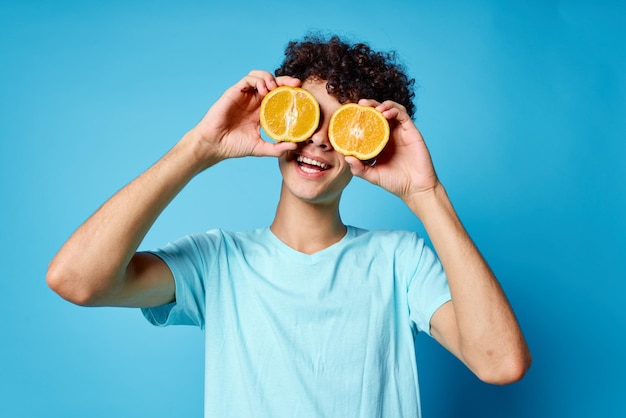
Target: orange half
289 114
360 131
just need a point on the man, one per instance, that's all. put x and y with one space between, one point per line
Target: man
308 317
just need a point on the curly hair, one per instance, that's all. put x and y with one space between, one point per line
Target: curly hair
352 71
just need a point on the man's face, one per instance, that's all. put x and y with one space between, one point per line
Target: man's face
315 172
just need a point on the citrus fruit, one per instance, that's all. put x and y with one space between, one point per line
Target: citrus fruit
289 114
361 131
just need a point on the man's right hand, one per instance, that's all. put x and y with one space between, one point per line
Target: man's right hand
231 127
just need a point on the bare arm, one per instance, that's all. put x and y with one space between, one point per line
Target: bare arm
99 264
478 325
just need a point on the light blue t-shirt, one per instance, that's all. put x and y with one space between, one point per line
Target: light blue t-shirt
295 335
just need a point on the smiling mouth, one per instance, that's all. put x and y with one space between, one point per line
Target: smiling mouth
309 165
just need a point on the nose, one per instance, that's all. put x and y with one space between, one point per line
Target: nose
319 143
320 137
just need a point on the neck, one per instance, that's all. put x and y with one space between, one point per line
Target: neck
305 226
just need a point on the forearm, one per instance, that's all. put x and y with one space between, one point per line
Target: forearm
488 334
94 261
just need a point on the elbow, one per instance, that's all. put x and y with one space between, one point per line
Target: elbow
506 371
68 286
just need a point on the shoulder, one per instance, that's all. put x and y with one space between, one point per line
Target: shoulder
196 244
385 238
204 249
234 242
219 234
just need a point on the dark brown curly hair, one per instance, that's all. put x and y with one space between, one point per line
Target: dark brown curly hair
353 71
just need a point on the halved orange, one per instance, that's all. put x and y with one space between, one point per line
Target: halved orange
361 131
289 114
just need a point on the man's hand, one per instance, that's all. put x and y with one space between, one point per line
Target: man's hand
404 167
231 127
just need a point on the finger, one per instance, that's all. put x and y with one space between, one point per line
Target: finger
369 102
270 149
251 84
264 77
263 82
360 169
259 80
390 104
288 81
389 108
393 110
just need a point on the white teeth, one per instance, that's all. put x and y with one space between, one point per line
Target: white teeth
309 161
308 169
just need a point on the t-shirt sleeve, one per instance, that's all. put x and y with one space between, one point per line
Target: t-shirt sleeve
186 258
427 289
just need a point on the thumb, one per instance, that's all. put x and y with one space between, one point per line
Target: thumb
358 168
271 149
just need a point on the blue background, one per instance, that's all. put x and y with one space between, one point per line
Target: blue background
522 104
